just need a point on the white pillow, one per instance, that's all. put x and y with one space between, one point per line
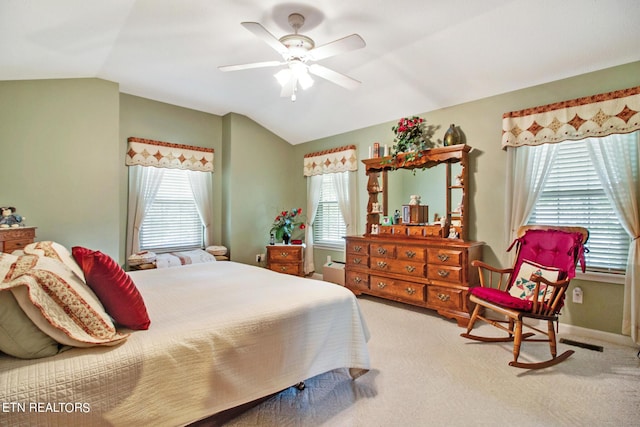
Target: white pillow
523 288
57 251
59 303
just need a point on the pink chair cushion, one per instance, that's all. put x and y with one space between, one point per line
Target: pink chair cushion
502 298
551 248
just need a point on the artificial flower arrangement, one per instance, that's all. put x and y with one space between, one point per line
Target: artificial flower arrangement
409 134
286 222
412 136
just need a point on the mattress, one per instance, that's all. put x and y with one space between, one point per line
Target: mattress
222 334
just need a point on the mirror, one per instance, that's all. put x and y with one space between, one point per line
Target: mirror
430 184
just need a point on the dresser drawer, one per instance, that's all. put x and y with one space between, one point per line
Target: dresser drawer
441 297
356 280
444 256
411 253
358 248
444 273
285 253
383 250
398 288
409 268
286 268
357 260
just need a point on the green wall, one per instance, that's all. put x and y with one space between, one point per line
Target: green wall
481 123
259 183
59 161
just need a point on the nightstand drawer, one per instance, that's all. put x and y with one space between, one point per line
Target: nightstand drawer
285 253
14 245
286 268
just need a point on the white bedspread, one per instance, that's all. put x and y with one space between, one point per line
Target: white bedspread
222 334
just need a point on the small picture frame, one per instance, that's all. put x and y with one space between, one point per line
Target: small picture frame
387 220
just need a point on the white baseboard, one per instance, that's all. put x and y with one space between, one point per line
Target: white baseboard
316 276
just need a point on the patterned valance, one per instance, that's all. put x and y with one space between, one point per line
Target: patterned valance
591 116
146 152
339 159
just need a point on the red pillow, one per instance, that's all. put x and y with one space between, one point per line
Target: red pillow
114 287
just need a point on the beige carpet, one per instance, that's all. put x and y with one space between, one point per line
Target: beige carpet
425 374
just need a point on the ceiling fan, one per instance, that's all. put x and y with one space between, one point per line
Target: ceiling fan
298 51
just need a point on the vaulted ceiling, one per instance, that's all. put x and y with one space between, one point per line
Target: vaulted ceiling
420 55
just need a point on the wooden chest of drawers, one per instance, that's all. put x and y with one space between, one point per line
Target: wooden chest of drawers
432 273
287 259
12 239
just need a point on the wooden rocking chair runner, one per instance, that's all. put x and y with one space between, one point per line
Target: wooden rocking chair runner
534 288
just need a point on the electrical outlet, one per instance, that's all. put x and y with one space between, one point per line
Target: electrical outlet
577 295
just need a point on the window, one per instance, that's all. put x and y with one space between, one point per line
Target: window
172 222
329 227
573 195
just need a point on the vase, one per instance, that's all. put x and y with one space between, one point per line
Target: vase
285 238
451 136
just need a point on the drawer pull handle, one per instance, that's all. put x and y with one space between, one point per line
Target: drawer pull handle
410 254
410 291
381 285
283 268
382 251
357 279
357 248
357 260
382 264
443 257
284 254
443 297
410 268
443 273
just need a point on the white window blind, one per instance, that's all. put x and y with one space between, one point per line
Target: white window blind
573 195
172 222
328 227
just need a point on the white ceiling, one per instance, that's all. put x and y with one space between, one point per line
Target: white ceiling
421 55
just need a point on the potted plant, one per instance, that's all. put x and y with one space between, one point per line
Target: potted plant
285 223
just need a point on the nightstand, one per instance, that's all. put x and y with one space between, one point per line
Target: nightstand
13 239
287 259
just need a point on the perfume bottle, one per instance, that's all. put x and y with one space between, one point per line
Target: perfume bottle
272 239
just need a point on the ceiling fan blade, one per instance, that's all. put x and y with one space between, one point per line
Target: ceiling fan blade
252 65
266 36
345 44
334 77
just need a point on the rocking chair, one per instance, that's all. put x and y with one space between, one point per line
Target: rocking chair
534 288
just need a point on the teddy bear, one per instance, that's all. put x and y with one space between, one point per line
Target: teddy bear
8 217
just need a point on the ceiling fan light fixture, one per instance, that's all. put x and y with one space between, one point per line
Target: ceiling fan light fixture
283 76
297 71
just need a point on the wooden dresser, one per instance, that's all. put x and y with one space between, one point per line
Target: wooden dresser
288 259
12 239
429 273
415 261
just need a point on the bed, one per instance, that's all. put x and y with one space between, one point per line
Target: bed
222 334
